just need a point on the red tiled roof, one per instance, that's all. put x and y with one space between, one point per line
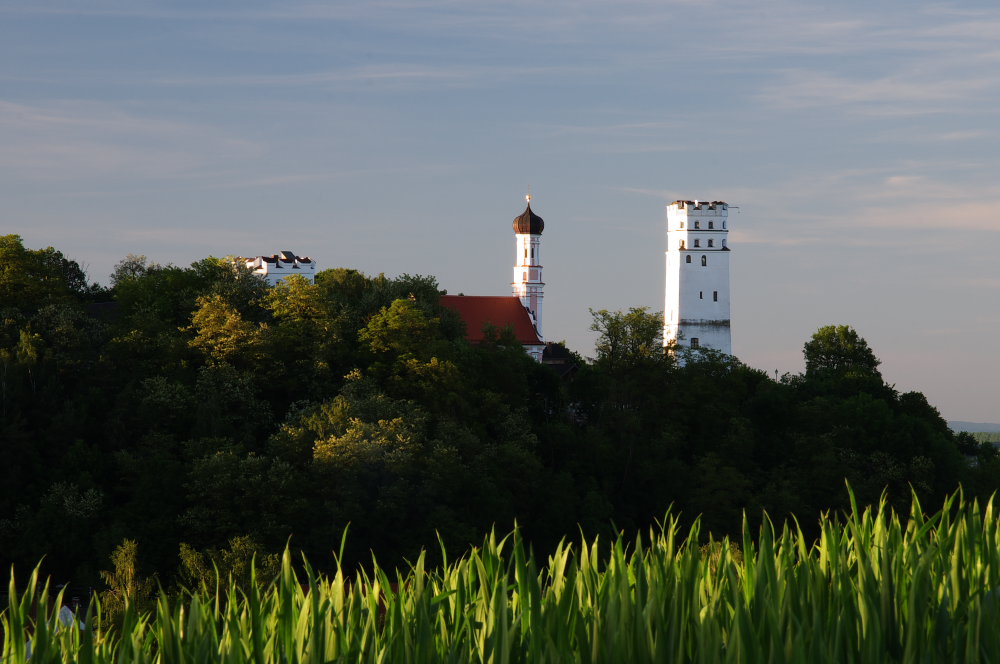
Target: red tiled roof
498 310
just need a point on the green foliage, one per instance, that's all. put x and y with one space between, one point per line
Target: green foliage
33 278
127 589
839 350
402 328
221 333
236 565
873 587
628 339
231 492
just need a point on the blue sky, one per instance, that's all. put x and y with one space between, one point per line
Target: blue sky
860 141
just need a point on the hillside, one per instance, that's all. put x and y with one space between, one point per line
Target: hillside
213 417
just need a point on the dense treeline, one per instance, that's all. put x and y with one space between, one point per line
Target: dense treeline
207 417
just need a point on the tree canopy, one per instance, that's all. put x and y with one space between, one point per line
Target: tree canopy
199 418
839 350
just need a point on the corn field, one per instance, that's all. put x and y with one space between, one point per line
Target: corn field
872 588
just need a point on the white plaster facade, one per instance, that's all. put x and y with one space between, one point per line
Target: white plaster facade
696 308
527 284
535 351
282 265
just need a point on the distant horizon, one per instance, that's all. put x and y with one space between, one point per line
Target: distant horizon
974 427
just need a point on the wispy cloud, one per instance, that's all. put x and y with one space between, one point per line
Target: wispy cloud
896 95
617 129
83 140
389 74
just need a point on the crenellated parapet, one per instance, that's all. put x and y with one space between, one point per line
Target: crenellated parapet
282 265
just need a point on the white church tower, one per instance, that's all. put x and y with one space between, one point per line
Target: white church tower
696 307
528 284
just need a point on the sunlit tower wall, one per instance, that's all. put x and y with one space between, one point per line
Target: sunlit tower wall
527 284
696 306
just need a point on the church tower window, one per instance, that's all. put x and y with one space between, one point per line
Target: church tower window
687 259
704 261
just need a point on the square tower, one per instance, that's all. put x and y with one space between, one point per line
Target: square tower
696 306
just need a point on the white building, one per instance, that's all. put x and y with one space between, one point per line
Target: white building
281 265
696 306
528 284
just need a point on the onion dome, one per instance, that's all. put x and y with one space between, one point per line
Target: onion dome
528 223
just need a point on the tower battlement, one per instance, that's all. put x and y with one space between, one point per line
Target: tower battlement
692 215
701 205
279 266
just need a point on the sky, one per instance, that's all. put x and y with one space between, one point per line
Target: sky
860 142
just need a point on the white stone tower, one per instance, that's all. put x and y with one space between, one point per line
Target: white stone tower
696 307
528 283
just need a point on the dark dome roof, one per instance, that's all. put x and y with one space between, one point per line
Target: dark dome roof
528 222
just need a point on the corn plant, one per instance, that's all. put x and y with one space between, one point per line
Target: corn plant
872 588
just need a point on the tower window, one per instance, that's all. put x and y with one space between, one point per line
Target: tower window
711 224
715 296
682 224
525 253
525 276
704 261
723 224
723 244
694 342
682 244
711 243
697 243
701 295
697 225
687 259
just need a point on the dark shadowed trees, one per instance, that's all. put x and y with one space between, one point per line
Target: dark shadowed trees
211 409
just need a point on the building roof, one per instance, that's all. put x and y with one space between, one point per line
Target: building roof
528 223
698 204
282 257
497 310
